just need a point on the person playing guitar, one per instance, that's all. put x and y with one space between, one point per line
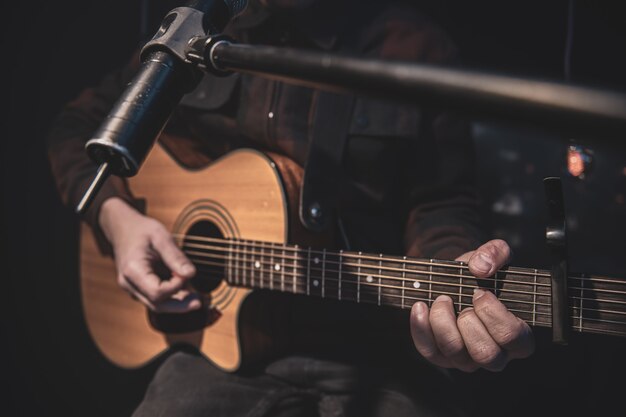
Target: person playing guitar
406 189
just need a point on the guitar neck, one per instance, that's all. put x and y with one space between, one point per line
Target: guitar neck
596 304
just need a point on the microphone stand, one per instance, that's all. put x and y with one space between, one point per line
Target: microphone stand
184 47
558 106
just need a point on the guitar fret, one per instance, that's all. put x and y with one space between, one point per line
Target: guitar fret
358 282
339 277
240 270
236 262
308 273
243 264
535 298
282 272
295 266
272 267
403 278
380 272
323 273
430 283
461 286
495 283
582 286
261 263
229 269
251 263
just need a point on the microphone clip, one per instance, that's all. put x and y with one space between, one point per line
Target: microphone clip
186 34
169 70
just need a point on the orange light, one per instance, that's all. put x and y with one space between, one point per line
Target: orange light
575 162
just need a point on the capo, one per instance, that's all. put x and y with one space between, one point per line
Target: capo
556 239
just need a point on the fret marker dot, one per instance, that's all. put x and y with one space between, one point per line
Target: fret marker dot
316 260
316 283
257 264
369 278
277 267
416 284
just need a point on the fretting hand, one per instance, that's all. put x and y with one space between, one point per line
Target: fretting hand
486 335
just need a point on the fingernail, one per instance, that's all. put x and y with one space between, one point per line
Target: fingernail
478 293
482 263
187 269
444 298
421 310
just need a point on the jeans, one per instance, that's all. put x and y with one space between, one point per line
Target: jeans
186 384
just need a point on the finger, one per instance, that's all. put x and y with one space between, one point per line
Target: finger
507 330
181 302
171 255
447 335
488 258
480 345
423 337
140 276
134 292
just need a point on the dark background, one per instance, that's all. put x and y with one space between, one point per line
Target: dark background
51 50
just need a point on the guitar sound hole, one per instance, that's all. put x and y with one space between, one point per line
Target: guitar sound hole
204 245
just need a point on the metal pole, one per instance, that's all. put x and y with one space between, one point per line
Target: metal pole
564 107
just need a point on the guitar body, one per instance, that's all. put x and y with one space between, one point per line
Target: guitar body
242 196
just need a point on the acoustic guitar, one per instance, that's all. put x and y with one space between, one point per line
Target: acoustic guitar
232 220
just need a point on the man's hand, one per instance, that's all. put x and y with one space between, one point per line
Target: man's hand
486 335
143 246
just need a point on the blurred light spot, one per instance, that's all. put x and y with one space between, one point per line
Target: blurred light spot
509 155
509 204
578 161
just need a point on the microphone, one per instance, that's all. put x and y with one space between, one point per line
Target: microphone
124 139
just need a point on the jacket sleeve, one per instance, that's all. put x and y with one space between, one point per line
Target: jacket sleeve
443 211
72 169
443 220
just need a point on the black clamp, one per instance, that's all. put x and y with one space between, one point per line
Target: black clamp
186 34
200 51
556 239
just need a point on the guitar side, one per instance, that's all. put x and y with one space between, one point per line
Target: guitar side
242 195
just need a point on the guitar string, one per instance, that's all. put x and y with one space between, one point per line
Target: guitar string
419 273
449 264
373 285
388 268
434 273
368 285
207 247
408 261
373 267
295 275
373 275
573 309
387 303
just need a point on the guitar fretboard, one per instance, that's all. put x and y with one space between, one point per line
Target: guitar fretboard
596 304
